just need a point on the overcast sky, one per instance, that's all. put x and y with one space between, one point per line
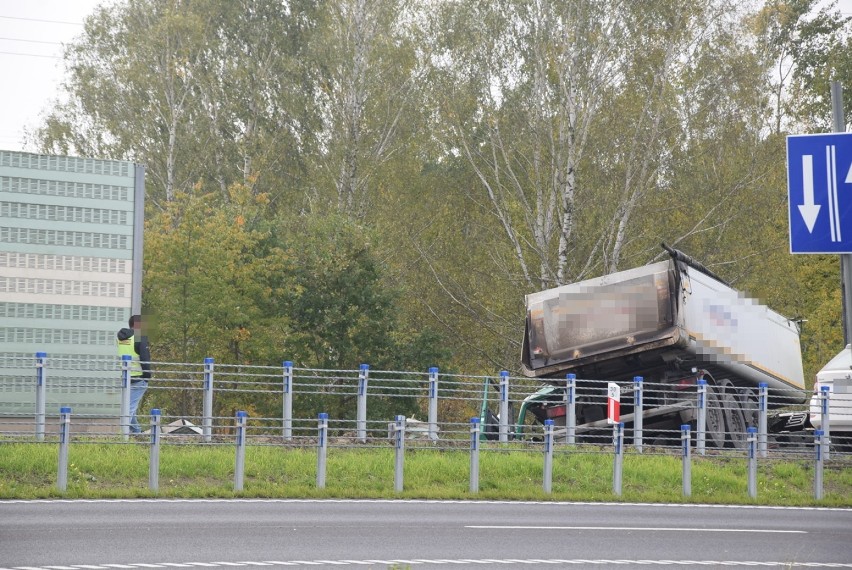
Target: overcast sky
31 36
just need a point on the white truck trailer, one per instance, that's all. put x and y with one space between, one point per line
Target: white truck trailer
672 323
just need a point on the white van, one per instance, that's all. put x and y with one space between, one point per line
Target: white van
837 375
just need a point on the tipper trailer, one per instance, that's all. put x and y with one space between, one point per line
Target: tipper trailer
672 323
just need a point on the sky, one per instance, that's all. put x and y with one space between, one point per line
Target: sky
32 34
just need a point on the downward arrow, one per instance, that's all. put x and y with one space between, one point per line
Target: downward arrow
809 210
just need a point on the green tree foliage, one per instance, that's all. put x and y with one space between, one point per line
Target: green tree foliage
806 52
200 277
583 147
201 282
819 305
197 90
363 59
224 281
383 181
343 313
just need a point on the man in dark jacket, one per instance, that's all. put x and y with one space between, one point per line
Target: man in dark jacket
132 343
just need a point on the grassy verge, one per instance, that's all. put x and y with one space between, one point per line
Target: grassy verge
98 470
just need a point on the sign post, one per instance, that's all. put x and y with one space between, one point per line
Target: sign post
819 182
613 403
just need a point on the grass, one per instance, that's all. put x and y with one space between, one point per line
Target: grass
103 470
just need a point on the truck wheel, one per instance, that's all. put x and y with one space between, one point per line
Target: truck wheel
715 418
734 418
748 404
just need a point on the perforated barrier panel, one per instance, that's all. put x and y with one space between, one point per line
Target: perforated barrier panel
70 275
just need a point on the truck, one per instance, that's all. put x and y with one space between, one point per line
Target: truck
672 323
836 378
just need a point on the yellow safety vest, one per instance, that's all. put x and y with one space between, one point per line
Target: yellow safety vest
128 347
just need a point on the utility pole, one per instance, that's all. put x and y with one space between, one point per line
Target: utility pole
839 125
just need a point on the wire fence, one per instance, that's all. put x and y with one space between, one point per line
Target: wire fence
198 403
399 438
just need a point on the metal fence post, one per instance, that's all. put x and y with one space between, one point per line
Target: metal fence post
399 435
701 421
287 407
687 460
64 439
752 462
548 456
125 396
154 461
239 468
207 413
504 406
825 397
361 422
570 409
433 403
762 417
41 388
637 413
322 448
474 454
618 461
818 463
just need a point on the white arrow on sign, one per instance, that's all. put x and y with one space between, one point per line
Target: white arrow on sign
809 210
849 175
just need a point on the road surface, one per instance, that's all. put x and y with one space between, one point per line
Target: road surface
141 534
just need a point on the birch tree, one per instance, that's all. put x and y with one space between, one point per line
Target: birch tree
256 98
663 43
130 94
363 64
536 73
806 45
210 91
535 86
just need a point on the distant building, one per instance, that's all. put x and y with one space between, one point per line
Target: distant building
70 275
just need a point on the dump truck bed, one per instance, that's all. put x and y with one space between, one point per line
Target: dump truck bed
659 318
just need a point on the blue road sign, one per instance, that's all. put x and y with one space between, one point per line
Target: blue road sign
819 184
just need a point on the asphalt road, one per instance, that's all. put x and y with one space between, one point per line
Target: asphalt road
138 534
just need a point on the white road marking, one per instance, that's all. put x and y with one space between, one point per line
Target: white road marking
426 502
418 561
649 528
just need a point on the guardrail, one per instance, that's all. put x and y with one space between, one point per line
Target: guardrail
509 408
397 437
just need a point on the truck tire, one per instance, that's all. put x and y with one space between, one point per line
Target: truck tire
735 421
715 435
749 405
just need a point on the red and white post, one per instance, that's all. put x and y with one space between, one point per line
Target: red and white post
613 403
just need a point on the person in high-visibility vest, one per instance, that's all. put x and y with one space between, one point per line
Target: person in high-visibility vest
134 344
